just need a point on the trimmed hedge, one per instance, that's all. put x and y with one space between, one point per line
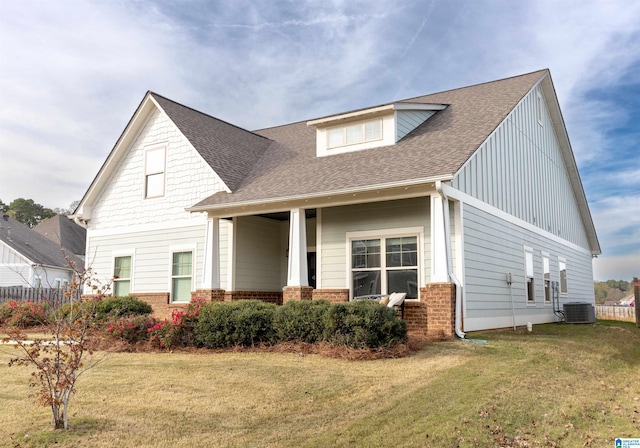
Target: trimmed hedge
246 322
364 324
111 308
301 321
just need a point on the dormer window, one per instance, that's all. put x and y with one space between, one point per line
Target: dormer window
355 133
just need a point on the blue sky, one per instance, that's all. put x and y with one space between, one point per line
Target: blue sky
73 72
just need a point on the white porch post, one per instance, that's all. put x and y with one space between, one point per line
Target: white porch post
297 264
211 273
438 247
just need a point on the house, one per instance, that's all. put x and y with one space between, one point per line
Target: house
64 232
468 200
32 260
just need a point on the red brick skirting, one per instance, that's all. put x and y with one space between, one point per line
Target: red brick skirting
264 296
331 295
415 315
296 293
440 299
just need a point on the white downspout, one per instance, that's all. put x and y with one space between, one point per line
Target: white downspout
449 257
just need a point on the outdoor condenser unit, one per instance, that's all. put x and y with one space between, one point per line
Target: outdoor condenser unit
579 313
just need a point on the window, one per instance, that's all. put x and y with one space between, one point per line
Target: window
352 134
385 265
37 282
181 272
154 161
122 276
546 278
528 261
562 267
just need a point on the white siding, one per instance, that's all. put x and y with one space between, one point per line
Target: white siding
259 254
492 248
188 179
408 120
14 269
151 251
337 221
520 170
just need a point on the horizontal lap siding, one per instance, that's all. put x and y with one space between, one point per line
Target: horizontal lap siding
152 255
409 120
494 247
259 253
337 221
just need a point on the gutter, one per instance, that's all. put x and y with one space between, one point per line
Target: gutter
449 256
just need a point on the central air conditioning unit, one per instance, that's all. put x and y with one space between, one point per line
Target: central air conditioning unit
579 313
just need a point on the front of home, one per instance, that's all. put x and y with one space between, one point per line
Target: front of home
467 200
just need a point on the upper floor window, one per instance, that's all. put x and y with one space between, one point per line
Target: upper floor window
352 134
154 168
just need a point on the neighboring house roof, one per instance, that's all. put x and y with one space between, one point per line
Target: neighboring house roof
435 149
37 249
61 230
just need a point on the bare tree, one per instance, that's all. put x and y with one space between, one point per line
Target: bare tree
65 353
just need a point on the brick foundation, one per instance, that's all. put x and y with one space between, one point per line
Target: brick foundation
264 296
159 301
415 315
440 300
209 295
331 295
297 293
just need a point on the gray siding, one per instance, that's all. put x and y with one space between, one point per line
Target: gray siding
259 253
408 120
520 170
492 248
337 221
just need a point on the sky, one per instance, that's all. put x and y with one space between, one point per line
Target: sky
73 72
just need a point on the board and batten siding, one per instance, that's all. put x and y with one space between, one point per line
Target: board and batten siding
519 169
494 247
188 179
408 120
337 221
151 252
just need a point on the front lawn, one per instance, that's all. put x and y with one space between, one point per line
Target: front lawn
562 385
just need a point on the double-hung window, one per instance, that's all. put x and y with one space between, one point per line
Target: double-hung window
154 168
385 265
530 285
562 267
181 276
546 277
122 276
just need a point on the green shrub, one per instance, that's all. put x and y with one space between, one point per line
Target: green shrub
111 308
246 322
364 324
180 330
76 308
23 314
300 321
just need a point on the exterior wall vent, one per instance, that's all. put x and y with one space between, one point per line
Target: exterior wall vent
579 313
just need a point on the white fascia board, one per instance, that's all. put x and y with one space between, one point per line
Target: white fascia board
331 198
11 249
326 121
116 156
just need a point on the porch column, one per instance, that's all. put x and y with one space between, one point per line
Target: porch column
438 247
297 281
211 268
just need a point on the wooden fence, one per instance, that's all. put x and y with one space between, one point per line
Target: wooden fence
55 297
625 313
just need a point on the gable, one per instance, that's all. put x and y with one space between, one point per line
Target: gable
522 170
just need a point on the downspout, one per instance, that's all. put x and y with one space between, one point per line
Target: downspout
449 256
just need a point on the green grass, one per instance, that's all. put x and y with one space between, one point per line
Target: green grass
562 385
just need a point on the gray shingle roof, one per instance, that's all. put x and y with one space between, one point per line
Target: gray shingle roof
63 231
439 147
33 246
231 151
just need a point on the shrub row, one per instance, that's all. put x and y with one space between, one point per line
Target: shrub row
362 324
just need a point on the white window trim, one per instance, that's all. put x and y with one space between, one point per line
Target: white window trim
529 250
173 250
148 149
362 124
563 260
545 256
386 233
123 253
